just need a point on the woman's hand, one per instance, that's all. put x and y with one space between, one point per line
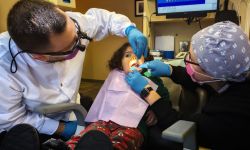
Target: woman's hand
158 68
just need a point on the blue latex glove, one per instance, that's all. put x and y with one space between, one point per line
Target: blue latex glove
157 68
136 81
137 41
69 129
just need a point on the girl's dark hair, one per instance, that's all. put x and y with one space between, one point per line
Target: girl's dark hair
30 23
116 60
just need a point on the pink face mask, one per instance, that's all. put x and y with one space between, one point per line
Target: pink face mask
199 77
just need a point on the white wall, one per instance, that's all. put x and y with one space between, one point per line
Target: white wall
243 9
247 28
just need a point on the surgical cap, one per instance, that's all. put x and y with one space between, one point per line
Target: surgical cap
223 51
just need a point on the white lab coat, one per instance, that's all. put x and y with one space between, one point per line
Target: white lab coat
39 83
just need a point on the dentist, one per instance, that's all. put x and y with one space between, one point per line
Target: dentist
41 61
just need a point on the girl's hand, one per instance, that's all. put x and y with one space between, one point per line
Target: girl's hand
151 118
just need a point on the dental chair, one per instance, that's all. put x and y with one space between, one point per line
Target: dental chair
184 131
52 109
181 135
191 102
79 111
79 108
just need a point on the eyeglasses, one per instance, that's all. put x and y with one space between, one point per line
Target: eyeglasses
77 44
187 59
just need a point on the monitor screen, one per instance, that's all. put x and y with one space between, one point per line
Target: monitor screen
164 7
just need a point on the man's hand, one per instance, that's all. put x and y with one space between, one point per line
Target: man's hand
136 81
137 41
158 68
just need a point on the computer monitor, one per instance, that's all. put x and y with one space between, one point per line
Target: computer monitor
186 8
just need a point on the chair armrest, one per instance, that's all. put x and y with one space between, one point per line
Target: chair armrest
182 132
78 109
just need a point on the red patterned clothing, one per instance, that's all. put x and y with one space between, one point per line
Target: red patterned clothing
123 138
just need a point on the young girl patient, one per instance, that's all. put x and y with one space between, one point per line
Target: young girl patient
117 111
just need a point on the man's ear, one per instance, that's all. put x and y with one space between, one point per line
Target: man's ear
40 57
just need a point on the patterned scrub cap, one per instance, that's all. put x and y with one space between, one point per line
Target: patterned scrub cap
223 51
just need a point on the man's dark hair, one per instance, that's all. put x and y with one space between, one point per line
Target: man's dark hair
31 22
116 60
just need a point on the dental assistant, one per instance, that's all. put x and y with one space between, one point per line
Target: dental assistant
41 60
218 61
